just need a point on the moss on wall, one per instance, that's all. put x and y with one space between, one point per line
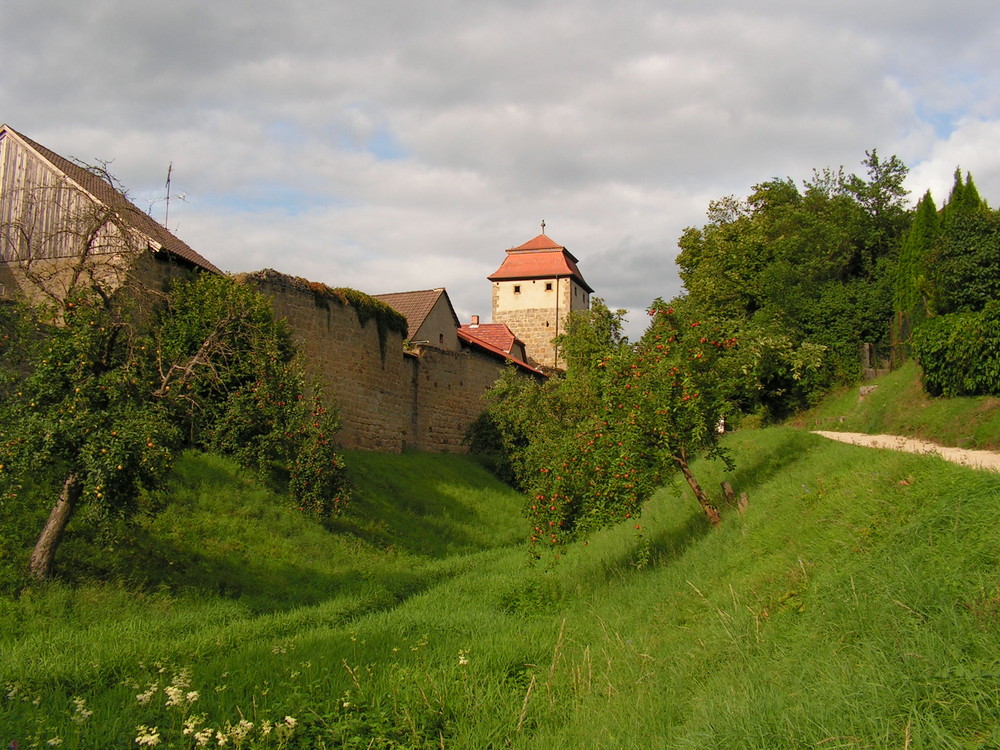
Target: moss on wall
387 320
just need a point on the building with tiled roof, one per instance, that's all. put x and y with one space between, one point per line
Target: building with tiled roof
430 317
54 211
534 290
496 338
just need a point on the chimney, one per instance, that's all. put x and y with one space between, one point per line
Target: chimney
475 322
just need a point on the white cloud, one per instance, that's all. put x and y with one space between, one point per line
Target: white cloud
971 147
389 145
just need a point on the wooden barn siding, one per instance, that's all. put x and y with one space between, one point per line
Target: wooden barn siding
42 201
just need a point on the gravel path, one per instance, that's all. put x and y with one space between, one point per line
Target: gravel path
986 460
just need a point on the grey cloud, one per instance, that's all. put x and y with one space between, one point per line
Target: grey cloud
391 145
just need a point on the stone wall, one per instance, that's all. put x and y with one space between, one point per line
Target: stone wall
446 396
388 400
345 357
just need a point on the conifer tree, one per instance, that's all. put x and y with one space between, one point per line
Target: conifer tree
911 282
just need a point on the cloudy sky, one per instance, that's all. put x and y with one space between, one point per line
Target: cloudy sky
390 145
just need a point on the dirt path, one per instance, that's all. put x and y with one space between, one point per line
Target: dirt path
986 460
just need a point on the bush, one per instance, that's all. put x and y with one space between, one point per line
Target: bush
960 353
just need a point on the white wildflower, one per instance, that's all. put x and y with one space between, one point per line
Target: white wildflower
55 741
145 697
203 737
241 730
182 679
463 658
147 736
192 696
292 723
175 696
192 722
80 712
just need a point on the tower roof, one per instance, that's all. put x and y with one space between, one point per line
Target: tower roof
539 258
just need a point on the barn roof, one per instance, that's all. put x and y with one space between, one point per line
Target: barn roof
105 193
492 343
495 334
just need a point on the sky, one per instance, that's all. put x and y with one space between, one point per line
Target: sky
395 145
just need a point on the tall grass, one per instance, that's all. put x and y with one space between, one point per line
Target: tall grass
855 604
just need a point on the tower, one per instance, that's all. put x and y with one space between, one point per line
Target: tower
536 287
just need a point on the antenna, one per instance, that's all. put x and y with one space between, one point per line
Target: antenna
166 211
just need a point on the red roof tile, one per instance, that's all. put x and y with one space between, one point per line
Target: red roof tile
108 195
496 334
541 242
540 258
468 336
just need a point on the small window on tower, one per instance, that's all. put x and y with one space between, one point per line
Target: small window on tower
517 288
548 286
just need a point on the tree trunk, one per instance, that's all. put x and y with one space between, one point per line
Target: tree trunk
44 553
706 505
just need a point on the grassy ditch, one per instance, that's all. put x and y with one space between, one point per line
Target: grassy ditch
855 604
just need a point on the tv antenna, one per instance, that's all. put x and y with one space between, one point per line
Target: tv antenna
166 210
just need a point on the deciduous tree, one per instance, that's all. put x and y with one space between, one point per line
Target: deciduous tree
112 392
591 447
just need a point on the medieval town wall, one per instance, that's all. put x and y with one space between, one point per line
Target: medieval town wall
387 399
447 396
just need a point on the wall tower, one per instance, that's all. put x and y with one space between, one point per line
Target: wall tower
536 287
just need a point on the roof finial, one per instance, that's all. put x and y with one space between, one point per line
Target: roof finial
543 226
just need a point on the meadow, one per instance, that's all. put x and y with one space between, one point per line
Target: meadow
855 604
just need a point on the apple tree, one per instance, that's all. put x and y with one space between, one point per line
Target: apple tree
111 388
590 447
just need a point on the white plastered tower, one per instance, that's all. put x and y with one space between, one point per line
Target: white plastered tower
536 287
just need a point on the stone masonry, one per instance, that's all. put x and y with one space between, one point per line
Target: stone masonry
388 400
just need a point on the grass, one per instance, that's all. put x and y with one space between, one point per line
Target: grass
899 406
856 604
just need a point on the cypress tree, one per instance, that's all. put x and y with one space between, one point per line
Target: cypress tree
910 285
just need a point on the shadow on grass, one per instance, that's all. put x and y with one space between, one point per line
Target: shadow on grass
269 586
770 459
767 460
671 544
226 535
428 505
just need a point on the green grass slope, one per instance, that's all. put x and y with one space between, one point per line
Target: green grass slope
856 604
898 405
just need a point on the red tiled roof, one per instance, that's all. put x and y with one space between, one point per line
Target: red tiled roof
496 334
108 195
467 335
541 242
416 306
540 258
